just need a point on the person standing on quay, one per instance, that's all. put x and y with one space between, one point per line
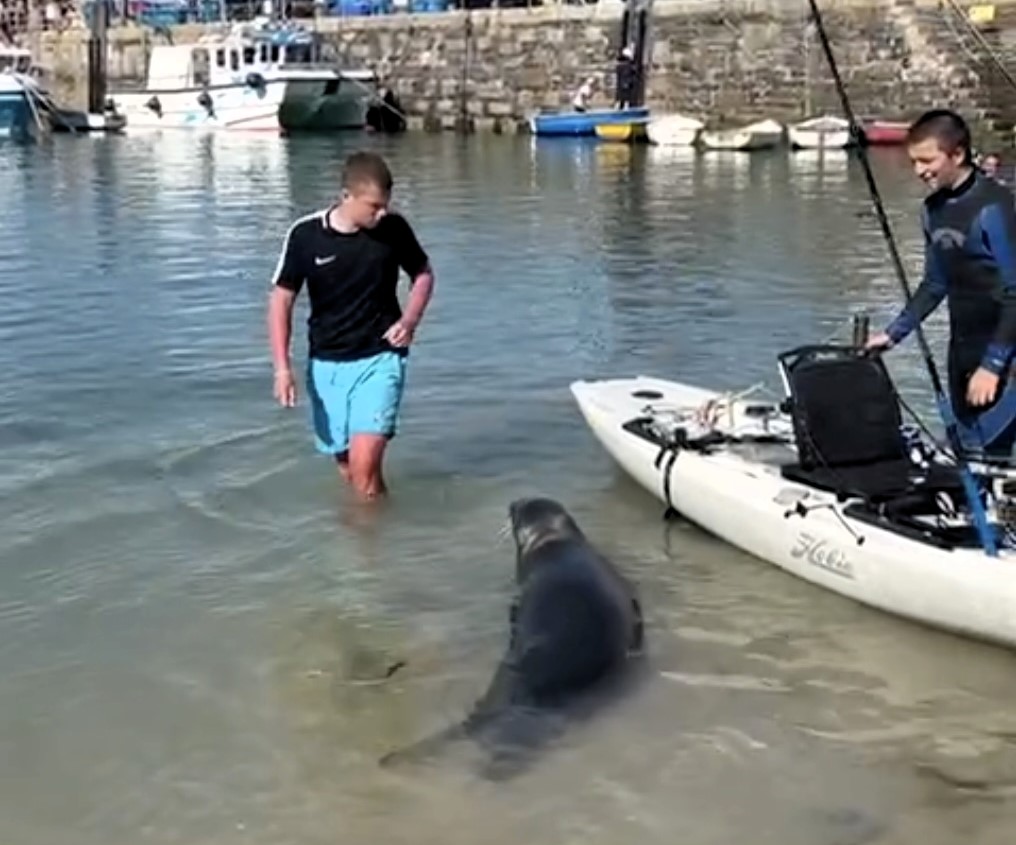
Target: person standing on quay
349 255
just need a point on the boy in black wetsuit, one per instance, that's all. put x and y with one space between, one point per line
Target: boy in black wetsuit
969 224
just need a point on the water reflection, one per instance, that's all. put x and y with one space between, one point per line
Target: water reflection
828 169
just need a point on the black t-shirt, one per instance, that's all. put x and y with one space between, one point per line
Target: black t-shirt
351 281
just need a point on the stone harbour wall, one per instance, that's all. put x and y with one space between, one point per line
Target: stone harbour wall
724 65
721 60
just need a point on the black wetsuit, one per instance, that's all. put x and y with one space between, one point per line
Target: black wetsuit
625 82
970 259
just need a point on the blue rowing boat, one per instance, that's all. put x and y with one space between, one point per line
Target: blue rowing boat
577 123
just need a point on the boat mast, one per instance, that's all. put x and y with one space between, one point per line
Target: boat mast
808 28
97 39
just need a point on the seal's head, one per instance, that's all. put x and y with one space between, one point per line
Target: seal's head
535 521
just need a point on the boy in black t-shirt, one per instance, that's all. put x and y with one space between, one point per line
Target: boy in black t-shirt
349 256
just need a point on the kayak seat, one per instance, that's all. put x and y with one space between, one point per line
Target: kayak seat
847 424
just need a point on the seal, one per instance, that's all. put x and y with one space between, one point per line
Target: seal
576 631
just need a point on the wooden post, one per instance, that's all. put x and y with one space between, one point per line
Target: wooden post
636 32
97 41
464 122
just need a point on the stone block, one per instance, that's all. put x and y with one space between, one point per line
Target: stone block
501 108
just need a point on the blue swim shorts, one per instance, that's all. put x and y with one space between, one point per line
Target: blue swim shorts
354 397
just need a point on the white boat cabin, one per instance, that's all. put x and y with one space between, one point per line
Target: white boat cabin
226 60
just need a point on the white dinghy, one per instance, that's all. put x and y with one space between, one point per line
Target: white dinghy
762 135
827 484
828 132
674 130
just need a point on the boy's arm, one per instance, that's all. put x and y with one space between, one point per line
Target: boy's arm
416 263
998 222
928 295
287 280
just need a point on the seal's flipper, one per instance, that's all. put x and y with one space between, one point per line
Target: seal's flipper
424 748
499 696
513 740
507 763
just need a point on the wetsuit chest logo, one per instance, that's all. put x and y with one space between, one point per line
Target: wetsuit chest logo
949 238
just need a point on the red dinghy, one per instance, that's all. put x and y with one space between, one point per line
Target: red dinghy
883 132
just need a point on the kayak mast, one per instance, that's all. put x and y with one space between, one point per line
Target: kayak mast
977 508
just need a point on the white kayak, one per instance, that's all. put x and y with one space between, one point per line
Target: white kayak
719 462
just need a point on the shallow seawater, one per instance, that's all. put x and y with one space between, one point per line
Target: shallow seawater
193 618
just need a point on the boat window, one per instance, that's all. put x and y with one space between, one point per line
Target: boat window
264 53
220 58
17 64
275 53
249 55
297 54
202 71
234 60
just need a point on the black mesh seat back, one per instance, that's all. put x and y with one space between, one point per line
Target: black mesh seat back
845 412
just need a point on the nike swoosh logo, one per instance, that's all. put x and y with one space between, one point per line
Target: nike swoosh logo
327 260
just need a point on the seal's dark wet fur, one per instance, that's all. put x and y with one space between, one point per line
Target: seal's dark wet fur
576 631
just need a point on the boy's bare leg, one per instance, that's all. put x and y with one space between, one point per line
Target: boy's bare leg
366 453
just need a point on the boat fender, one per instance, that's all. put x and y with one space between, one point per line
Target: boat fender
205 101
255 80
154 105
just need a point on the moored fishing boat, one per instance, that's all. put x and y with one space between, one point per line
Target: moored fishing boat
19 93
257 76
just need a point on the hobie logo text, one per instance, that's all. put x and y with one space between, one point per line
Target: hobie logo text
821 554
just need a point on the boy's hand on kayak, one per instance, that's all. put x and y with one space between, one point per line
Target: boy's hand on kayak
878 341
981 388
